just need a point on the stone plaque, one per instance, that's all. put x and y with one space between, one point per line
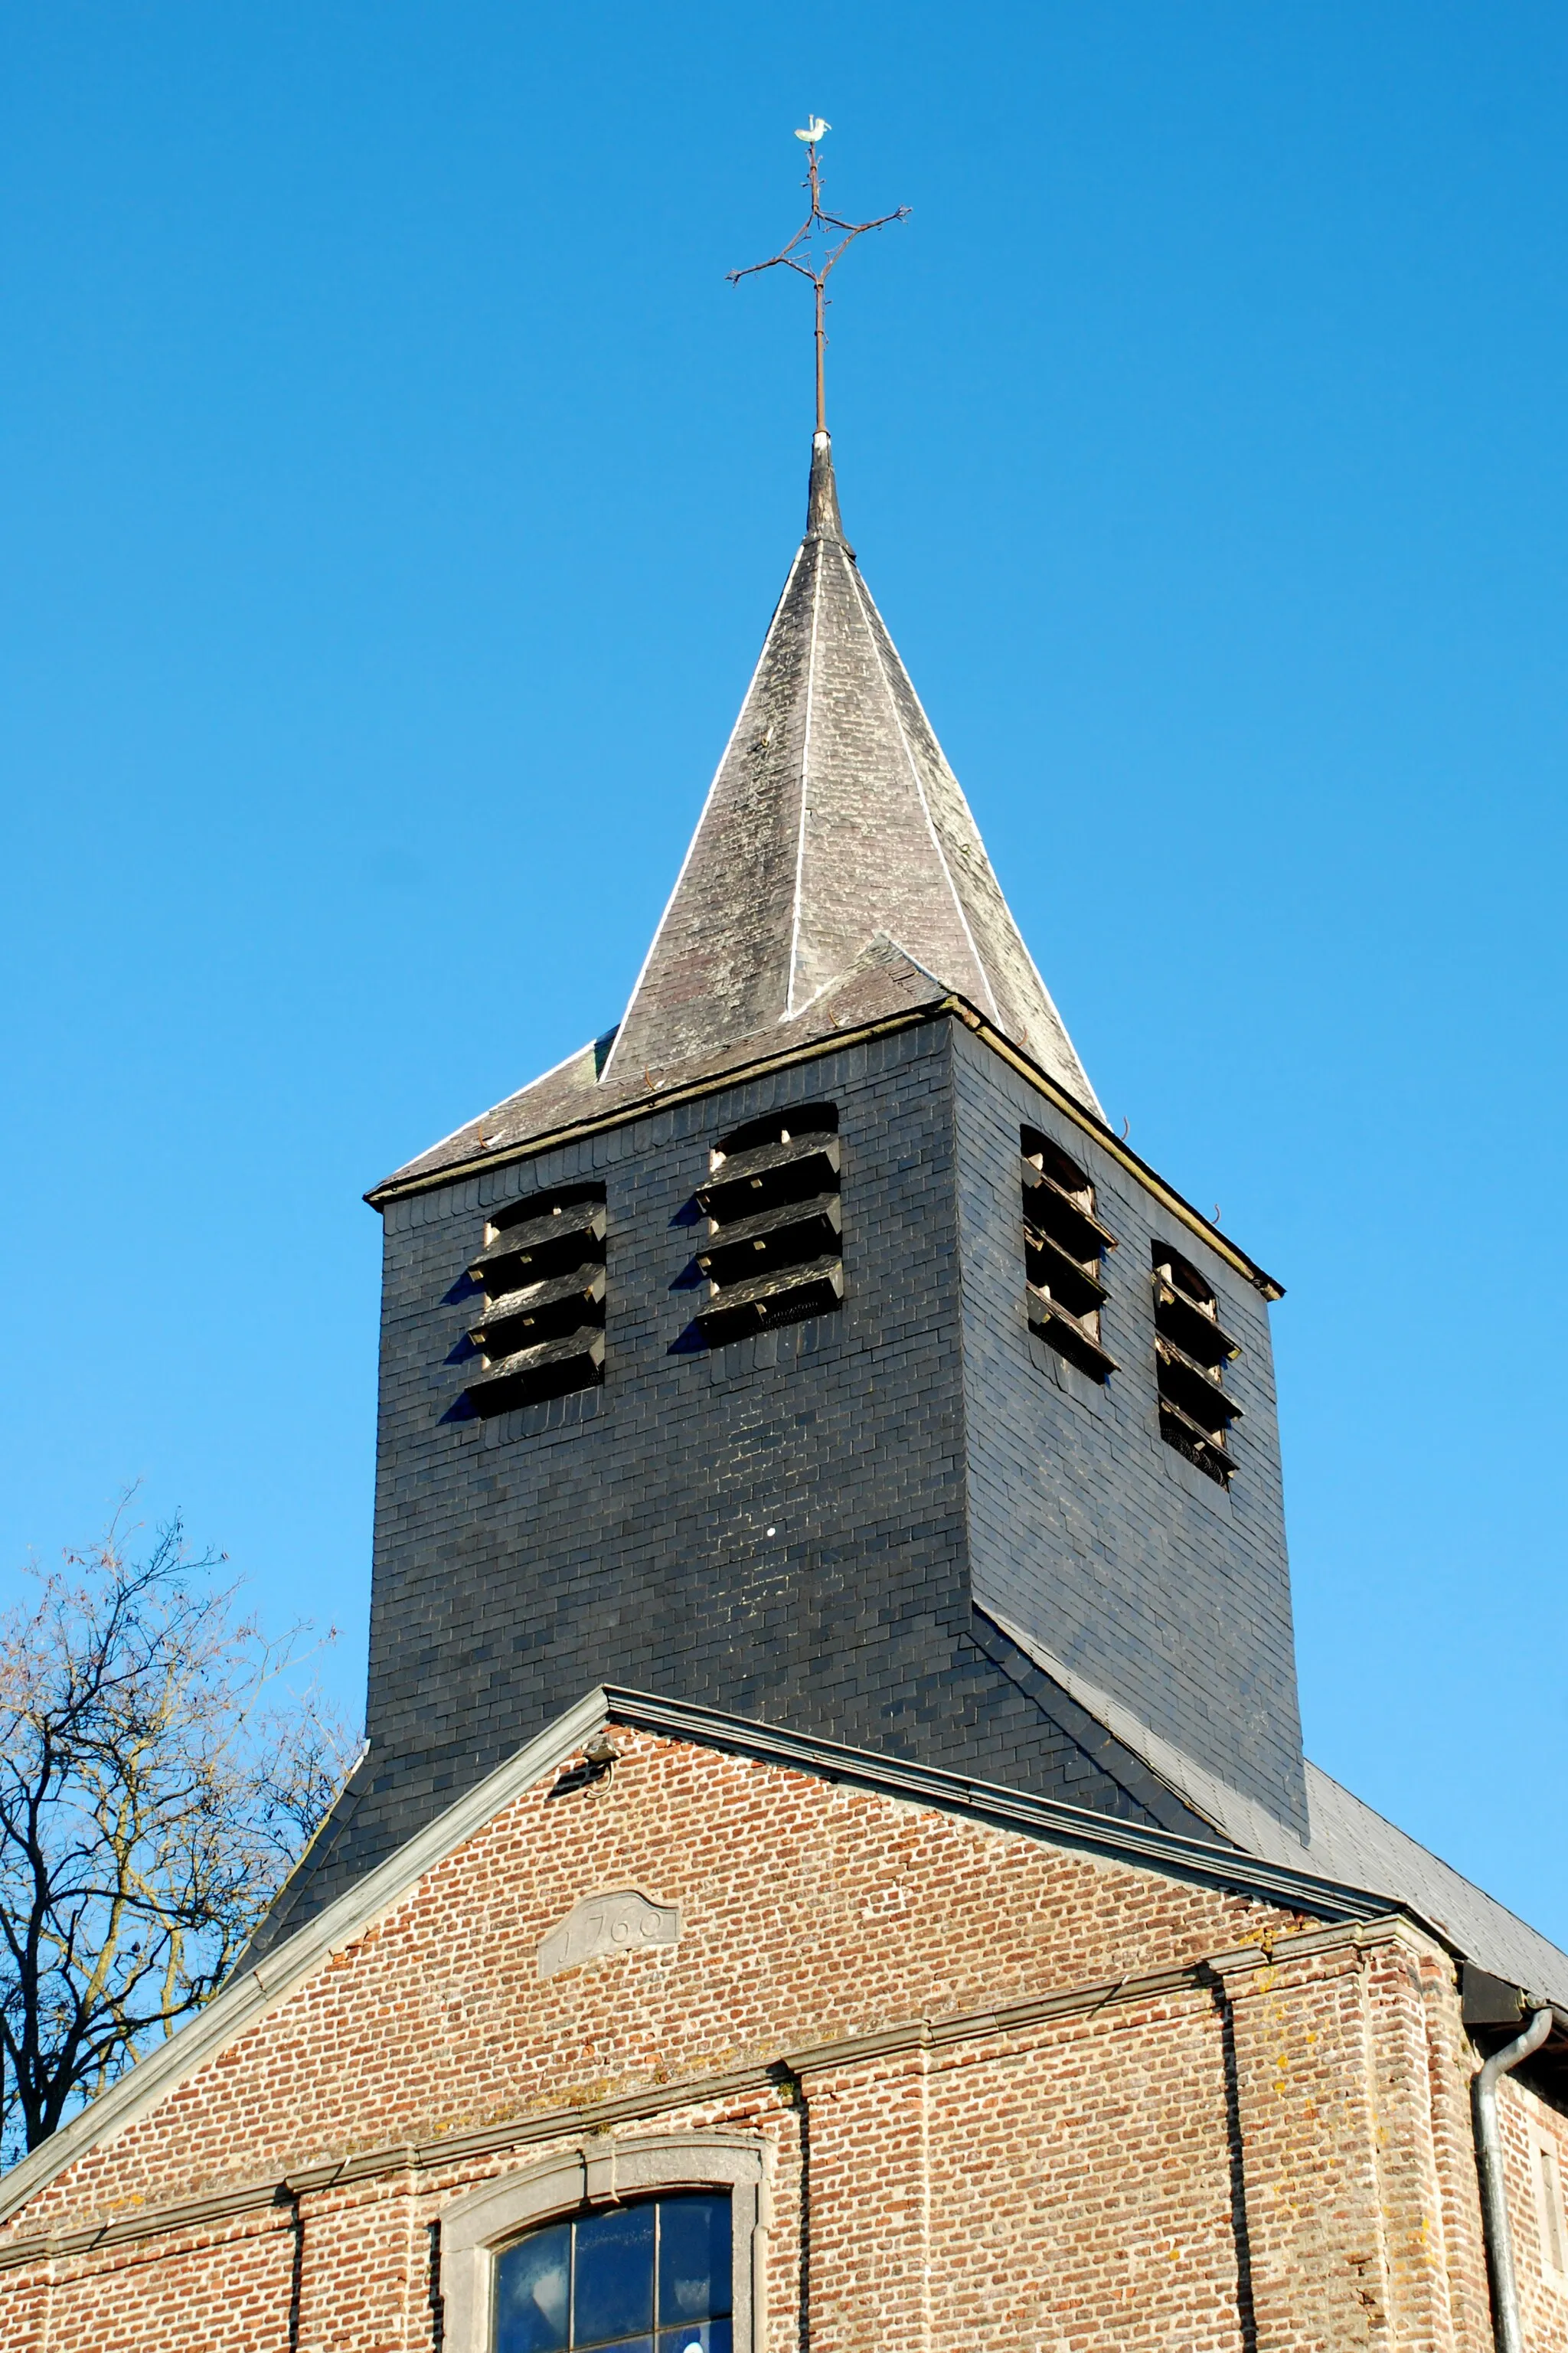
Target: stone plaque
622 1922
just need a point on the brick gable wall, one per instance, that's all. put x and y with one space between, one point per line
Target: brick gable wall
1013 2094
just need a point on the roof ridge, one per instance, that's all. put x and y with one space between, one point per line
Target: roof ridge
804 769
863 595
1257 1832
713 787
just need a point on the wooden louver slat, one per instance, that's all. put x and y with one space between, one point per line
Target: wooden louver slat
540 1311
548 1369
1073 1335
541 1245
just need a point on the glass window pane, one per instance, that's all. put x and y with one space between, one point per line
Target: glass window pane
532 2293
706 2335
615 2275
693 2258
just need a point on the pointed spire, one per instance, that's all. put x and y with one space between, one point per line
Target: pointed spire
833 818
823 520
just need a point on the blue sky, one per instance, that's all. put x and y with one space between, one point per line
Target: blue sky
395 496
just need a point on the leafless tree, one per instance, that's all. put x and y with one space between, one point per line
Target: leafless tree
158 1779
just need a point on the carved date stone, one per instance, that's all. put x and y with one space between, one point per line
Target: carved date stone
622 1922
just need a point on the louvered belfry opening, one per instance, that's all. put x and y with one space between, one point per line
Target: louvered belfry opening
774 1250
542 1329
1064 1246
1194 1411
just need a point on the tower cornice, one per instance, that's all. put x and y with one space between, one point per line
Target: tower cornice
739 1074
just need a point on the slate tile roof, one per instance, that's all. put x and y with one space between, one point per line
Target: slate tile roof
1346 1842
881 985
836 877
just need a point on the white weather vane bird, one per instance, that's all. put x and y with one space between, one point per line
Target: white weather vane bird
814 127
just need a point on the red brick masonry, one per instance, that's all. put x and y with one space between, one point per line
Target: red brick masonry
1011 2096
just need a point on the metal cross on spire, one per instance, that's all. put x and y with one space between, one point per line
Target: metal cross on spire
814 261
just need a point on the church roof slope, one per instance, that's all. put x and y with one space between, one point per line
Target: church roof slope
883 984
1352 1842
1347 1843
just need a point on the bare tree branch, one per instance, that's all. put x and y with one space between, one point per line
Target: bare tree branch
158 1779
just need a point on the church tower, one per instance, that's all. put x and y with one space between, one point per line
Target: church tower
833 1865
808 1348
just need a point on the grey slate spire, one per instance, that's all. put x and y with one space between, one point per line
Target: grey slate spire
833 818
835 878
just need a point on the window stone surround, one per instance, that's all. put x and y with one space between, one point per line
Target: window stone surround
604 2171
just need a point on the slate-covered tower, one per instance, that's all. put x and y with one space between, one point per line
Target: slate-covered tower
809 1347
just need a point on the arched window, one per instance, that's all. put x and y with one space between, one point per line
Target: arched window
628 2244
653 2277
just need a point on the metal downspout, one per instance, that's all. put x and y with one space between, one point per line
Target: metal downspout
1488 2163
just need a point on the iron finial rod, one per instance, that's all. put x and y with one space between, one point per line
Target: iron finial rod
816 262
